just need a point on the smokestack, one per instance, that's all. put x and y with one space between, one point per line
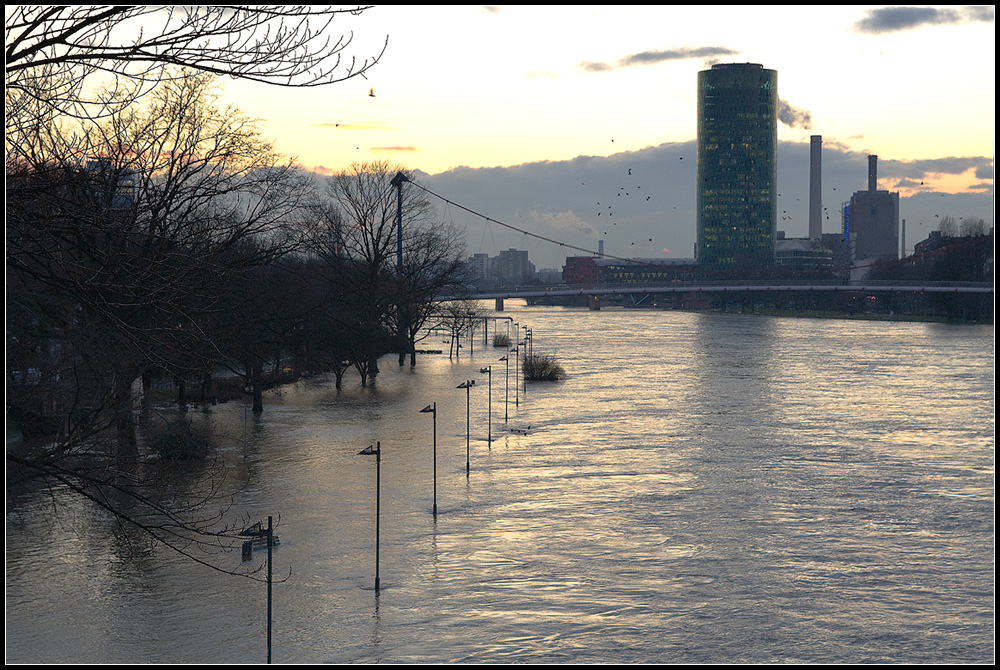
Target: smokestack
815 188
872 174
600 248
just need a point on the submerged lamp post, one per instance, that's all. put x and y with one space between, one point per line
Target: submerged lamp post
270 545
528 348
517 385
376 449
506 386
489 420
467 384
433 410
255 532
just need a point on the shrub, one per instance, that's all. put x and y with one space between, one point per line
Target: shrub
180 441
501 340
541 367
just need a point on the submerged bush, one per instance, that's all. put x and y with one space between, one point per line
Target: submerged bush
180 441
501 340
542 367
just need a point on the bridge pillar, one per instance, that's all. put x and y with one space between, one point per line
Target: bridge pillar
499 306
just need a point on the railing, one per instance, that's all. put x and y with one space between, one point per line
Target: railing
733 287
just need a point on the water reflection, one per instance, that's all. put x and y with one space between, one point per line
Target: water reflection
701 488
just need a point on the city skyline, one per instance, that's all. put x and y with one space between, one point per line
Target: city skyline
463 91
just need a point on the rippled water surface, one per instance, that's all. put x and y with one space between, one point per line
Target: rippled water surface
700 488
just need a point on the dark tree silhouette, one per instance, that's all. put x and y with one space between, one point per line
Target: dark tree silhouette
130 200
54 52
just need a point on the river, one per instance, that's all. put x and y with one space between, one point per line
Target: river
700 488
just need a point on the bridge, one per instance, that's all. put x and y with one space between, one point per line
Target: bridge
729 287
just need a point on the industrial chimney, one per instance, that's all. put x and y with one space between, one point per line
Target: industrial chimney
815 188
872 174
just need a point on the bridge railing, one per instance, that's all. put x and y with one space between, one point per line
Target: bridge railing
534 291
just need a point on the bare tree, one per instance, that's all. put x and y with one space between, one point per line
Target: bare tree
432 266
54 53
131 199
366 243
182 197
948 226
127 262
973 226
461 318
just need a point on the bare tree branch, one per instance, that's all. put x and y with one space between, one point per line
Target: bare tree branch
54 54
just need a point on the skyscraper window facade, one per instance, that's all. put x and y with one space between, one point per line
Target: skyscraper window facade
737 166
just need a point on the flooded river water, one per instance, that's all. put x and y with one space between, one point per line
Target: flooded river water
700 488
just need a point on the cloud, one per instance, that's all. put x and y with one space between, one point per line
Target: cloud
651 57
397 149
354 126
591 66
564 221
792 117
894 19
655 56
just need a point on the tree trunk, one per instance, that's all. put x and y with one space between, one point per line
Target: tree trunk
127 445
206 385
181 394
256 386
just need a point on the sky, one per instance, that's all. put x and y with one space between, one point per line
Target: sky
531 116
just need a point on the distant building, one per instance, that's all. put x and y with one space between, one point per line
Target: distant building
594 271
802 254
479 266
871 221
581 271
510 268
837 244
513 268
737 166
935 240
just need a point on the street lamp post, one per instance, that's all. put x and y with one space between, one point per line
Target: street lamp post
376 449
517 385
433 410
506 386
270 545
401 333
528 348
255 532
489 420
467 384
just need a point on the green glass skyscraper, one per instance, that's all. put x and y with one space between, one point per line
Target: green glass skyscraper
737 166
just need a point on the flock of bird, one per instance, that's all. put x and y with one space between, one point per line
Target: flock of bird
607 210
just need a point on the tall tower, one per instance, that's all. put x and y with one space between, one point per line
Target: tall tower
737 166
873 218
815 188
